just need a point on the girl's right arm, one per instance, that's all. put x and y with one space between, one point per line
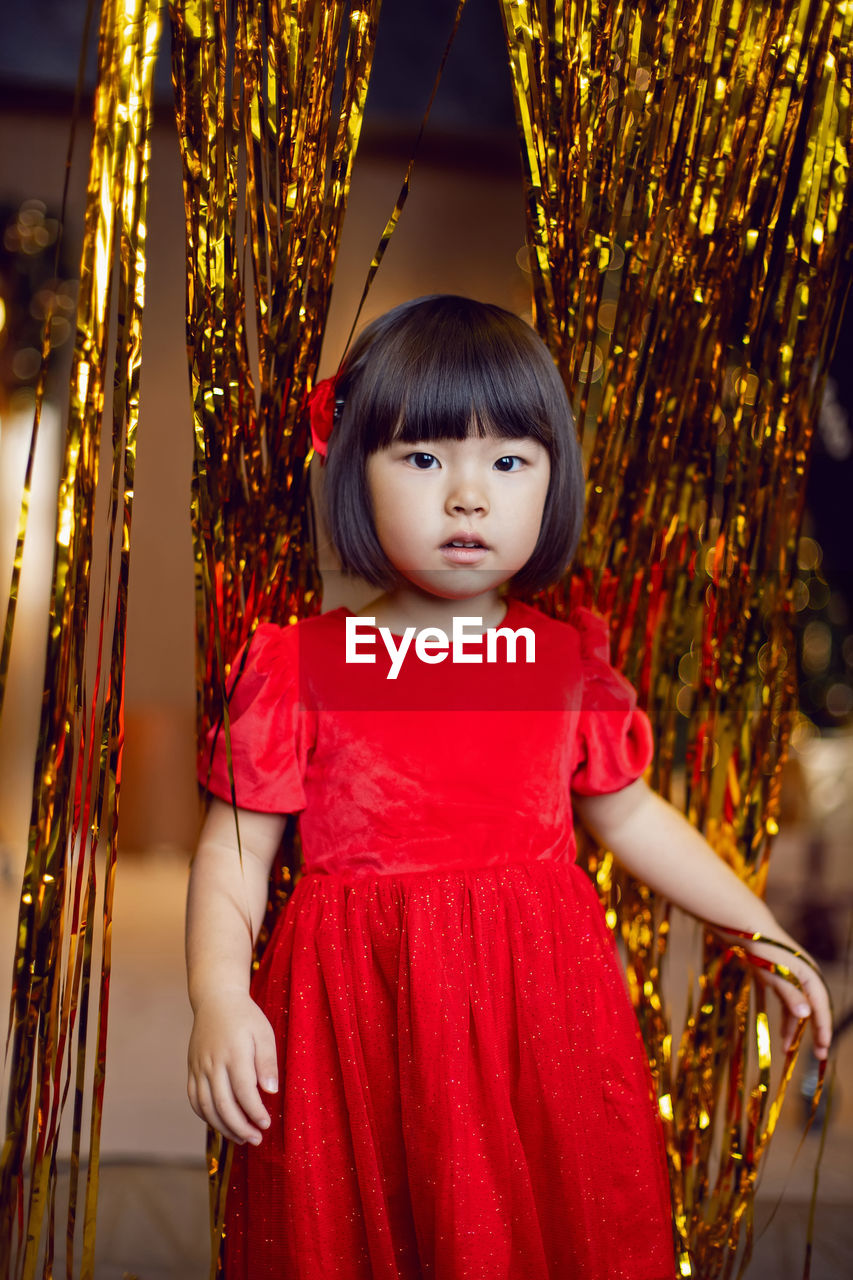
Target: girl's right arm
232 1053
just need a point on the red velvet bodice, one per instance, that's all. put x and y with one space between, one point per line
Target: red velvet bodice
449 766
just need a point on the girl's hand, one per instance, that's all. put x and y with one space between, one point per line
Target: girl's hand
232 1056
659 846
812 1001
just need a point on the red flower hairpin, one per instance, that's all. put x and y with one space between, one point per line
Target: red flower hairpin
321 412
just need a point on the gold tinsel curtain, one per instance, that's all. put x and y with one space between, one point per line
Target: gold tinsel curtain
56 1042
268 143
270 100
688 192
687 170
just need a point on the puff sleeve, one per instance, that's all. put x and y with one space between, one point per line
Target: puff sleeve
614 737
268 729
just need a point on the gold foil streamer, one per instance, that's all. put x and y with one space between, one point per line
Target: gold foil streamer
268 154
268 145
688 205
78 763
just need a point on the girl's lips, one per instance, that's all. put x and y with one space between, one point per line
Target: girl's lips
463 555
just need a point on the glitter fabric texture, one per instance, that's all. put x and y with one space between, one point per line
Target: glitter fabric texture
464 1090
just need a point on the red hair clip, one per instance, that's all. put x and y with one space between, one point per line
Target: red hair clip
321 412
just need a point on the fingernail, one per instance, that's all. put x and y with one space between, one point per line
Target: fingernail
270 1085
802 1011
255 1139
265 1123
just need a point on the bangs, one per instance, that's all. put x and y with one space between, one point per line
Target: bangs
451 398
453 371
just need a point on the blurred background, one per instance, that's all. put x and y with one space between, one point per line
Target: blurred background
462 231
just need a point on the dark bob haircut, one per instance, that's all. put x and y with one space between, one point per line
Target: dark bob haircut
444 367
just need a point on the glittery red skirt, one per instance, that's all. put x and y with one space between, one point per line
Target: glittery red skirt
464 1092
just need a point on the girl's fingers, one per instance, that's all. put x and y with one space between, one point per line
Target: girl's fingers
789 1020
789 1027
793 1000
207 1111
812 1001
230 1109
244 1084
266 1058
822 1015
222 1112
192 1094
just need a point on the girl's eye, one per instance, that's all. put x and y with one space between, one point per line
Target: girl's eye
423 461
508 462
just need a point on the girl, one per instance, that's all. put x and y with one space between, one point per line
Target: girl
436 1070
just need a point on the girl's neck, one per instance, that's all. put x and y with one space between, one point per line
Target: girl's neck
406 607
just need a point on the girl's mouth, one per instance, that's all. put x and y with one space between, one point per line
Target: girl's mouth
463 552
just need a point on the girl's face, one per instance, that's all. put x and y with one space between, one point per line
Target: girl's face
488 490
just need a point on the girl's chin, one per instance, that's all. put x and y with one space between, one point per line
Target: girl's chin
460 583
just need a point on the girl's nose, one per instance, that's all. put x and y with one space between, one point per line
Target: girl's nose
465 497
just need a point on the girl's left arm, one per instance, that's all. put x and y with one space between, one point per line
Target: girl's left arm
657 844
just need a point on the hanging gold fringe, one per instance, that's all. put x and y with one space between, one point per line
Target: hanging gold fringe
78 764
268 151
688 184
268 148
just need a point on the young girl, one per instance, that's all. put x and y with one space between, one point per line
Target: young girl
436 1070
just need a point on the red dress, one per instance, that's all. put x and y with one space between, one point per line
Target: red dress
464 1092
